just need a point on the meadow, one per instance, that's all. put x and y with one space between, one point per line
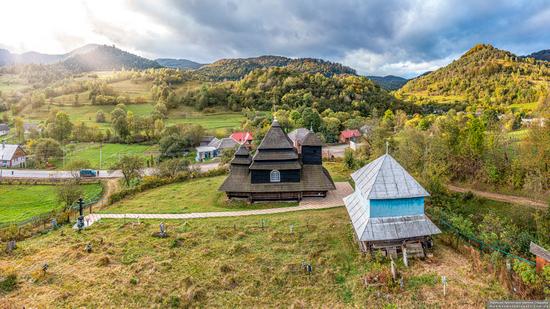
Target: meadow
22 202
125 88
110 153
10 83
198 195
232 262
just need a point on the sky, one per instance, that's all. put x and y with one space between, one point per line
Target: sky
375 37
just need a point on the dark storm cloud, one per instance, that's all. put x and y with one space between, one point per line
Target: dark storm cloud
380 37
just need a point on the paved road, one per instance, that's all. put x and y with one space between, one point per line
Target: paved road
333 199
336 150
502 197
103 174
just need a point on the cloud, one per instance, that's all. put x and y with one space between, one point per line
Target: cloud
374 37
403 37
392 63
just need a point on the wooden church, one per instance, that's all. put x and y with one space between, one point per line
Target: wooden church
277 171
387 210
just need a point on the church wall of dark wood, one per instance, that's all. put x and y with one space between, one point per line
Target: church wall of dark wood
262 176
311 155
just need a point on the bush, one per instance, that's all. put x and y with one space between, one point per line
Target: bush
9 283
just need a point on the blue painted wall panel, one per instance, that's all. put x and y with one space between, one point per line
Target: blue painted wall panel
397 207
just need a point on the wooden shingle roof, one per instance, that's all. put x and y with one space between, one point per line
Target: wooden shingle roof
276 138
385 178
311 139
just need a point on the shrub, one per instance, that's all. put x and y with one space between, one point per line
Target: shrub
9 283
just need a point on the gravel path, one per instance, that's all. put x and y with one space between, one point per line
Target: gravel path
333 199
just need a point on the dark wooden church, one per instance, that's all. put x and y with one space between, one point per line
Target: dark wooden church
277 171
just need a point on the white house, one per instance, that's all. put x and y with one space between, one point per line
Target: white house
12 155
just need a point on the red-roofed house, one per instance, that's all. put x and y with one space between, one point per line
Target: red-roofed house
242 137
349 135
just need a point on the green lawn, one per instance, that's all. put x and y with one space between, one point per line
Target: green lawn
199 195
232 263
338 171
110 153
21 202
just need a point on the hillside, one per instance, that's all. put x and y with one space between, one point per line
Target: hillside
231 262
32 57
541 55
8 58
104 58
234 69
389 82
264 88
178 63
484 75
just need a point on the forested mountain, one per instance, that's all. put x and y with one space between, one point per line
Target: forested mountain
389 82
485 74
107 58
234 69
178 63
8 58
285 87
541 55
90 57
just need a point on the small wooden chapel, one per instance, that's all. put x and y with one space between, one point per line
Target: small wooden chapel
387 210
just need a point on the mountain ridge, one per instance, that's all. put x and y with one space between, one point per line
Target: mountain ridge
484 74
388 82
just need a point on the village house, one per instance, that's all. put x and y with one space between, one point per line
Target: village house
276 171
4 129
347 136
31 128
205 140
12 155
242 137
387 210
211 146
297 137
205 153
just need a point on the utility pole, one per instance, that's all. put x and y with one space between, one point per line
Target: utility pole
100 145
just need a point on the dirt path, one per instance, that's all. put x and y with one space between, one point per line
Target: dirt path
111 186
502 197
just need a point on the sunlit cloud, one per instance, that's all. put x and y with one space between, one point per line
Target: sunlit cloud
373 36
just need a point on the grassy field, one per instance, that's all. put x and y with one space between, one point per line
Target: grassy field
199 195
122 88
223 120
231 262
519 134
21 202
85 113
526 107
10 83
110 153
